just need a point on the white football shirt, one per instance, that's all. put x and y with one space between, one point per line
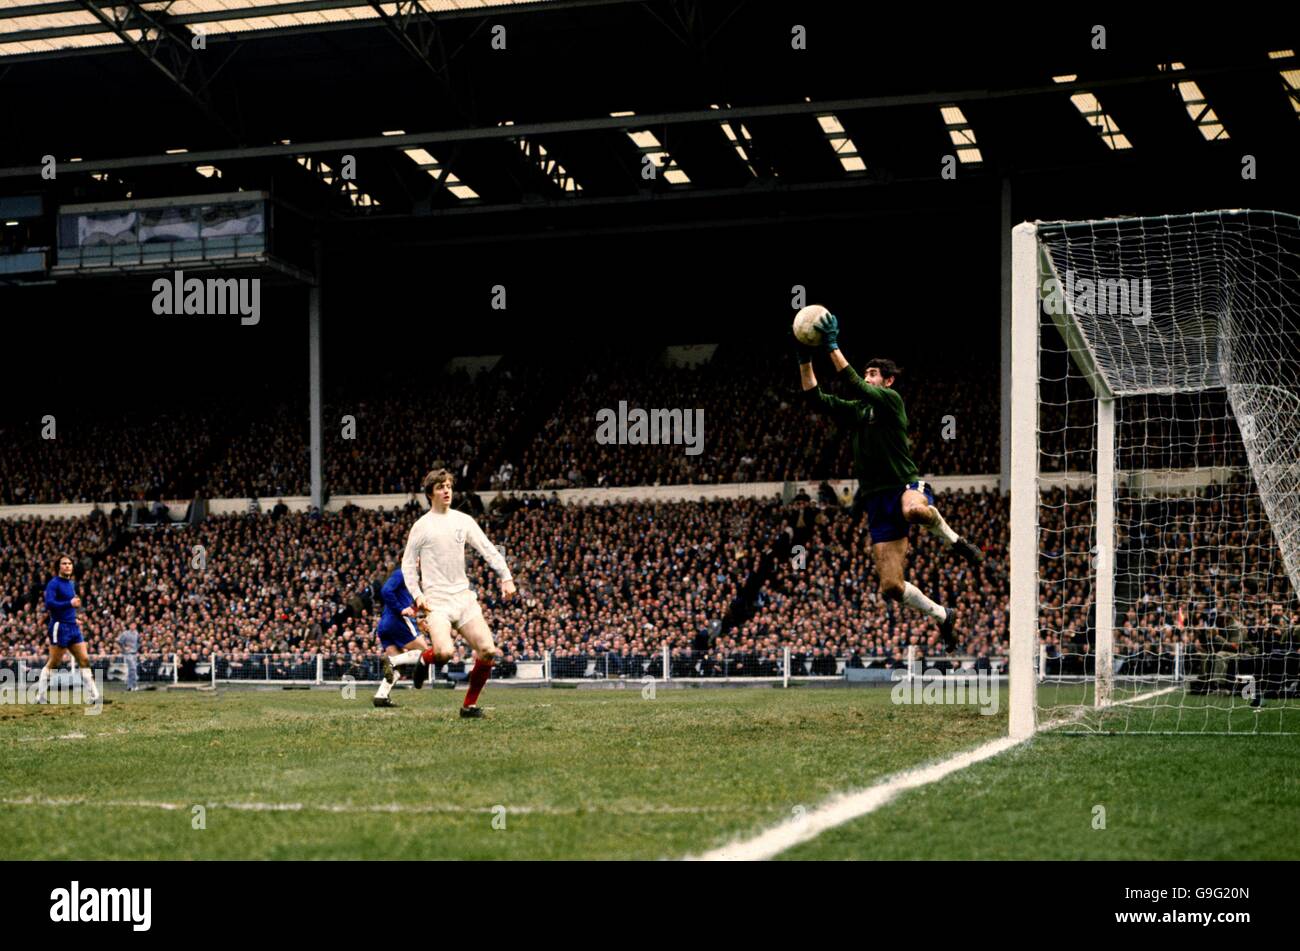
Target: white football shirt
434 561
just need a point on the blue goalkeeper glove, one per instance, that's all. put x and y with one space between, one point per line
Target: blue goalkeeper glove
830 328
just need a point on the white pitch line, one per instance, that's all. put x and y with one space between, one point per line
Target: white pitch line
1080 713
380 808
1145 696
849 806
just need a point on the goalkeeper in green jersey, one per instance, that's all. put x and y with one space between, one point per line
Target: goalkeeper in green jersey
889 489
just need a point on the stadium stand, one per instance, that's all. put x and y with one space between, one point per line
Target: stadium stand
604 587
521 426
710 578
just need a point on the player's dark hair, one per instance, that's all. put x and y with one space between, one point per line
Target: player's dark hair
886 366
58 560
435 478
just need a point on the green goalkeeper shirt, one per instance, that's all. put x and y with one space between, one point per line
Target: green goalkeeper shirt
877 424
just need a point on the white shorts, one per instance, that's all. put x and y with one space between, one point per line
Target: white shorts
459 608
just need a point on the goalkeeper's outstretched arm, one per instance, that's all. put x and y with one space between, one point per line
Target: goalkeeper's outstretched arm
830 328
877 395
807 378
840 410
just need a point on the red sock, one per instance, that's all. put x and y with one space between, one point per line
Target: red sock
477 678
427 657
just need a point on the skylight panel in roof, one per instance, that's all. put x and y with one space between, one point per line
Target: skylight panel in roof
1290 78
551 167
1089 107
421 157
327 175
840 143
740 140
536 152
644 140
1197 106
649 145
435 169
459 188
961 134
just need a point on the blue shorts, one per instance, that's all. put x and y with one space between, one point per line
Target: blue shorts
64 634
885 511
396 631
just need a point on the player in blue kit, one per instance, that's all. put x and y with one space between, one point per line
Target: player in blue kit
63 634
399 635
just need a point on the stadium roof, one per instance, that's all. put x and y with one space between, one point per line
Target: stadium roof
405 112
39 28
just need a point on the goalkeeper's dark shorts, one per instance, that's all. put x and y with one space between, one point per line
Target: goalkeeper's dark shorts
885 511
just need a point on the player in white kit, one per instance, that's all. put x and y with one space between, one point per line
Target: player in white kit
434 569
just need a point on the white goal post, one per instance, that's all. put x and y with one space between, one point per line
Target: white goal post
1155 474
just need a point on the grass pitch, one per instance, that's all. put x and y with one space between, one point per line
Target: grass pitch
608 774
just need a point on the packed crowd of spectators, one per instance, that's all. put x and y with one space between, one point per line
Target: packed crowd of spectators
524 425
90 457
758 427
266 455
1197 570
531 425
724 584
621 580
1153 431
383 438
714 581
258 583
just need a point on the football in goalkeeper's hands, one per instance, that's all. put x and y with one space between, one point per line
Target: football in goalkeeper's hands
805 324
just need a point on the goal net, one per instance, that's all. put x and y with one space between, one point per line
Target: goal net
1155 493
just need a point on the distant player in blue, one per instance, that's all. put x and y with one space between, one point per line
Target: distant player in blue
399 635
62 631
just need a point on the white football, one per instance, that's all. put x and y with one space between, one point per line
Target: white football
805 330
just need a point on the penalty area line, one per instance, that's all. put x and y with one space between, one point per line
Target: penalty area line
848 806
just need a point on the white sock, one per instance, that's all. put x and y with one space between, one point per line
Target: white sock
915 600
406 657
88 678
42 684
385 688
940 528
